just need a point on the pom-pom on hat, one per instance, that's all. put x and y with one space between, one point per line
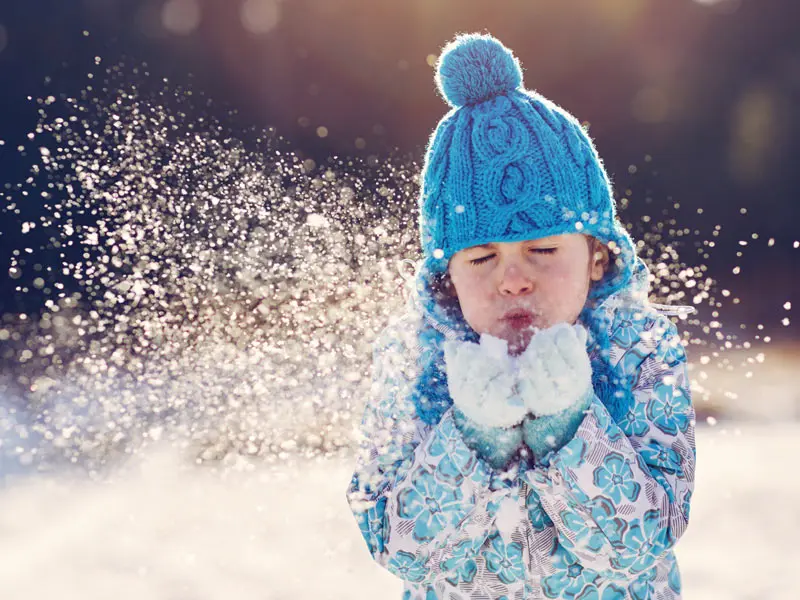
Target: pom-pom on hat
475 68
506 164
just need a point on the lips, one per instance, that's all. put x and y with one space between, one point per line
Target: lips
519 318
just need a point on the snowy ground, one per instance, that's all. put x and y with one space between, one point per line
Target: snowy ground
160 530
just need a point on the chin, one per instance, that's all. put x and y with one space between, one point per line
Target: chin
519 340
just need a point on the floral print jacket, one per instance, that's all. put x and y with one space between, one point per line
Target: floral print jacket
596 521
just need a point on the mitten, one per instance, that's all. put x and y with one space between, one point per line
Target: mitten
495 445
555 383
481 379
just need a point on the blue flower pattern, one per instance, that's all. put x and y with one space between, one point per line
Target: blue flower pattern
626 333
669 409
570 579
615 477
641 542
601 530
456 458
591 537
412 513
642 587
371 521
634 421
431 504
462 564
606 423
505 560
662 458
408 566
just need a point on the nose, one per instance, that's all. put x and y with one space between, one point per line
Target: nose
516 281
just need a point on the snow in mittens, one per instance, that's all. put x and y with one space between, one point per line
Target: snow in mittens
554 371
482 380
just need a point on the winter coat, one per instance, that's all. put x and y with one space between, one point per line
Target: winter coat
597 519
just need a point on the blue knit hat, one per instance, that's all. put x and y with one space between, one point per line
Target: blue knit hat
506 164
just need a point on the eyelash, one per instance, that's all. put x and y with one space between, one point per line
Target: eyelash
483 259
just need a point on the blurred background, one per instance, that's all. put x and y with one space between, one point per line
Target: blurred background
691 102
203 206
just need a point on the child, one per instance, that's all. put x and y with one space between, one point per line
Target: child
531 433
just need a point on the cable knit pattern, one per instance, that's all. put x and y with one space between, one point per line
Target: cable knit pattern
507 164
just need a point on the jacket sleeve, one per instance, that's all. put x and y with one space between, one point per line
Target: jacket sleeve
425 503
618 493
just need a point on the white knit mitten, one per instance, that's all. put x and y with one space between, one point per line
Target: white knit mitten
482 381
554 370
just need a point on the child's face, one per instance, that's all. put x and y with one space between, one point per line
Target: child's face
510 289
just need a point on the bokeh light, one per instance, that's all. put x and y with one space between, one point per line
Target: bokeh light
181 17
650 105
755 132
260 16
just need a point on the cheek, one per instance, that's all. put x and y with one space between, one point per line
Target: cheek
474 301
474 298
565 285
563 272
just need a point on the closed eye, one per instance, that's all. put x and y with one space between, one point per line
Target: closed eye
488 257
482 259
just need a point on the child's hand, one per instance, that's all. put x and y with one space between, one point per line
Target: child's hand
555 384
488 411
554 370
481 379
496 445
